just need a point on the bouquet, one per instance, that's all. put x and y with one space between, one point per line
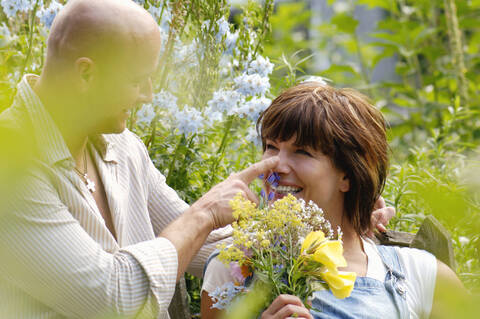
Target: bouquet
288 247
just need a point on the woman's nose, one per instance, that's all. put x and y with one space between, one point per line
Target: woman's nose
284 165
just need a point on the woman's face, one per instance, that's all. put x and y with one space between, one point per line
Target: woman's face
307 174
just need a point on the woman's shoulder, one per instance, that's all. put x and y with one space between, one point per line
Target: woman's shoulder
216 275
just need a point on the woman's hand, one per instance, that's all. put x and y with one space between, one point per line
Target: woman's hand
381 216
286 306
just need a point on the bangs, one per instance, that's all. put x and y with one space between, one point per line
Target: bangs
300 118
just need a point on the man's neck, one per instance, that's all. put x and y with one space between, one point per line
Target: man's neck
74 132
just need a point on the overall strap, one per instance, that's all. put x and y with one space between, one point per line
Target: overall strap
214 254
395 282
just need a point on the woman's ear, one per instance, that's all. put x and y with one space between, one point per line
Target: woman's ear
345 184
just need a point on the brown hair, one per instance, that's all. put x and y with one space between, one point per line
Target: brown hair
345 126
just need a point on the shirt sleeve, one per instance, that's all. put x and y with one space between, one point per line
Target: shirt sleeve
164 206
421 272
47 254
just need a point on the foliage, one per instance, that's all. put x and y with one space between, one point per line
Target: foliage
213 82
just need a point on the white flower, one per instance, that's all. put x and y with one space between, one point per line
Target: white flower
189 120
261 65
146 114
463 240
252 84
224 100
316 78
252 109
408 10
47 15
340 7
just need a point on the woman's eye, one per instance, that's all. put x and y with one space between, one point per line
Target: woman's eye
303 152
270 147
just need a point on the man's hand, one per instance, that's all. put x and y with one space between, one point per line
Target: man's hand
217 201
380 217
286 306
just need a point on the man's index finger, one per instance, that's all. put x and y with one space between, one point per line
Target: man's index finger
250 173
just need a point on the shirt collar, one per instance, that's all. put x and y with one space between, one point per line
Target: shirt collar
50 143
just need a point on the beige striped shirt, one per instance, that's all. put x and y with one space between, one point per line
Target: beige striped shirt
57 257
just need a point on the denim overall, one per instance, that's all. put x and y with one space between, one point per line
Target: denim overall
370 297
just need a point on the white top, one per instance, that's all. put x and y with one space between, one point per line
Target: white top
58 258
420 272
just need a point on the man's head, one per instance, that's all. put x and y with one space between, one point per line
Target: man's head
100 55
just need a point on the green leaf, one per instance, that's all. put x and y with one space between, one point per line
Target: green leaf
385 4
345 23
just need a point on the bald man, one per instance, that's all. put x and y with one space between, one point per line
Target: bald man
94 231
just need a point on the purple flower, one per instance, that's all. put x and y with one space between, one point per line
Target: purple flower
273 179
236 272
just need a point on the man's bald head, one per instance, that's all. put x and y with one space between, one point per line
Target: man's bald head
101 55
102 30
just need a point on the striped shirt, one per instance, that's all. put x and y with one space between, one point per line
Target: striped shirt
58 258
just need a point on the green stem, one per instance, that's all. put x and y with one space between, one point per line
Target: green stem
30 36
455 38
151 139
220 152
171 167
189 147
266 11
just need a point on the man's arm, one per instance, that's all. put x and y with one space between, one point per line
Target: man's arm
47 254
212 211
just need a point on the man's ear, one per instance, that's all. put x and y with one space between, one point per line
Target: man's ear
85 71
345 184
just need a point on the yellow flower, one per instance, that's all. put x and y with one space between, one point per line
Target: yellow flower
330 254
341 283
313 239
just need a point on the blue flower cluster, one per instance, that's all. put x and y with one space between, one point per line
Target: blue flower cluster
251 84
146 114
5 35
261 65
223 29
11 7
224 295
47 15
252 108
165 100
252 136
224 100
189 120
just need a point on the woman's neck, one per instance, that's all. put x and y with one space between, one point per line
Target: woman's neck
353 250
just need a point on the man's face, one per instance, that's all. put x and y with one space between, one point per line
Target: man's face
121 85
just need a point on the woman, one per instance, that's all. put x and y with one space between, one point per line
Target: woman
333 150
